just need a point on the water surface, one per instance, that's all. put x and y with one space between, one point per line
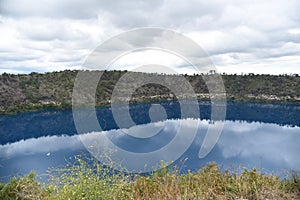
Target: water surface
259 135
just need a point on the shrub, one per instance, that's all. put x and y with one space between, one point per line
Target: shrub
22 188
86 178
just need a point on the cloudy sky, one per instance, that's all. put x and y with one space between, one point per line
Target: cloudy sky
244 36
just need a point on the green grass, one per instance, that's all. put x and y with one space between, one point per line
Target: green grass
87 179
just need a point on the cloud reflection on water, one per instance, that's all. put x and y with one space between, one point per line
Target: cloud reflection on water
274 147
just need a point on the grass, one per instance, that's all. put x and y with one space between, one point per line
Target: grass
87 179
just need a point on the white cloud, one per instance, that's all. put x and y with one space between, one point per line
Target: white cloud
253 140
247 36
41 145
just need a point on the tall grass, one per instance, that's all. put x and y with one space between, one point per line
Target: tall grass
87 179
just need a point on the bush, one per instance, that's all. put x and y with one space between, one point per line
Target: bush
22 188
88 179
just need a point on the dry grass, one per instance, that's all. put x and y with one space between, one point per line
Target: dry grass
89 180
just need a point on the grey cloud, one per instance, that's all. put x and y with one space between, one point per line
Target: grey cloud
44 29
10 57
256 29
46 8
75 9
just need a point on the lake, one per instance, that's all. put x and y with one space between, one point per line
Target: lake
262 135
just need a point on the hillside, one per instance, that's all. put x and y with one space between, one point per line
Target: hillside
36 91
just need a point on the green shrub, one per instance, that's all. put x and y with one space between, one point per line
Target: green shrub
22 188
86 178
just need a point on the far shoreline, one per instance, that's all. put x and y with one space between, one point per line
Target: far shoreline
31 108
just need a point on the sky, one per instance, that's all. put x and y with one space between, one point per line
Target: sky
247 36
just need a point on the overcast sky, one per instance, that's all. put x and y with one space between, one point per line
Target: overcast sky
240 36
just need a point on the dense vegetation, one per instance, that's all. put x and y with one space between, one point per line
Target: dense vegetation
35 91
86 179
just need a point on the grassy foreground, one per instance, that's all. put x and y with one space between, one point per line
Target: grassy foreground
84 179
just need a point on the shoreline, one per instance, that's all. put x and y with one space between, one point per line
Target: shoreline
31 107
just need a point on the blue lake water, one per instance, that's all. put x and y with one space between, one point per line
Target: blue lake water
262 135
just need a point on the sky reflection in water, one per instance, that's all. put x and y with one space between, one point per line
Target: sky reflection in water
270 147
